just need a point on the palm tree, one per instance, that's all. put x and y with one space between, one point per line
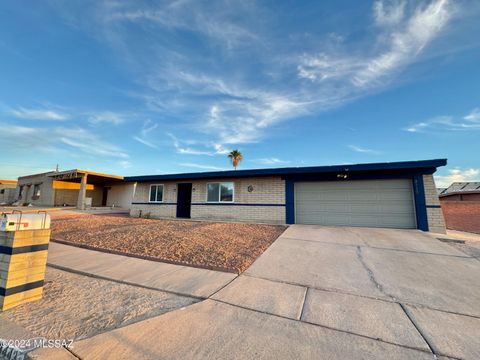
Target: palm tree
235 156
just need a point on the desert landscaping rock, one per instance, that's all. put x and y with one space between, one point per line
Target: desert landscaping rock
231 246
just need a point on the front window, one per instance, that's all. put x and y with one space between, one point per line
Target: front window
220 192
156 193
20 192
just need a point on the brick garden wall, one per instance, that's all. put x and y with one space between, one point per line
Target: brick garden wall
462 215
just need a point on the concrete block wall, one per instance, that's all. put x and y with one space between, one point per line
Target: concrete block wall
266 190
47 193
436 221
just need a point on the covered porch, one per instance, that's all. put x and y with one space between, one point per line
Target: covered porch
82 188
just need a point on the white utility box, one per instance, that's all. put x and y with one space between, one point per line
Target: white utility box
19 221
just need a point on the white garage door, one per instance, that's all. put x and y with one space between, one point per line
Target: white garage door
371 203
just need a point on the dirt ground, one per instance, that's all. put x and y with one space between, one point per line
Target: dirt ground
228 246
77 307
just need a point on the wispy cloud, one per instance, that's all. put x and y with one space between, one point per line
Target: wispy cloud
364 150
469 122
38 114
401 39
186 150
211 21
232 103
270 161
457 175
108 117
88 142
473 116
201 166
57 140
125 164
147 127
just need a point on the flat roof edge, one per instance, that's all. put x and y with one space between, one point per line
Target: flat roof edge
400 165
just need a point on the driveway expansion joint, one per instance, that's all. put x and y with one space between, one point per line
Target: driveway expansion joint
303 303
325 327
390 299
381 248
417 326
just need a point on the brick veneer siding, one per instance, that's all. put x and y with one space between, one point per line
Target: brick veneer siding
436 222
462 211
269 191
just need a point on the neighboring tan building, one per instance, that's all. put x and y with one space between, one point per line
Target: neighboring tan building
7 191
392 195
81 188
461 206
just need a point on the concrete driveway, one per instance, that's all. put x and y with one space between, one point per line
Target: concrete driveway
324 292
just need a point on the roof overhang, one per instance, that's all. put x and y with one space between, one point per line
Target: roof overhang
451 193
414 167
8 182
75 175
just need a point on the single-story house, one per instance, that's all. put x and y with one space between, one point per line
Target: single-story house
7 191
461 206
393 195
80 188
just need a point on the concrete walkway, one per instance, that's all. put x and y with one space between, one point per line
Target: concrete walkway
321 292
181 280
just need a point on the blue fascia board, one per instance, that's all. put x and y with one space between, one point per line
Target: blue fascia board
420 166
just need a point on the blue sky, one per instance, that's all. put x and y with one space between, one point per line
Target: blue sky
148 87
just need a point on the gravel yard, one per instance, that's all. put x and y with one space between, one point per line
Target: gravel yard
227 246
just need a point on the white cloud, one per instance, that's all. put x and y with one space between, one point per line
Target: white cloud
57 141
243 78
470 122
107 117
215 24
270 161
390 14
201 166
145 142
147 127
38 114
401 40
181 149
88 142
125 164
457 175
473 116
362 149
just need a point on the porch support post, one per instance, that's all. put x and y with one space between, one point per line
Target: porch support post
82 193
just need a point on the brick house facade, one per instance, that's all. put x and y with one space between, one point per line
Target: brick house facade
268 195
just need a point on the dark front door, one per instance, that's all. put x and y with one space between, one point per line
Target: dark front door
105 196
184 200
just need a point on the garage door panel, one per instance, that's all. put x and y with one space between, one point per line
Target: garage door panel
377 203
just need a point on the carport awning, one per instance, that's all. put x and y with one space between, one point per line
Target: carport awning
95 178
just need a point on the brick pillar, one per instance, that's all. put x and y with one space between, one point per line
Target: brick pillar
82 193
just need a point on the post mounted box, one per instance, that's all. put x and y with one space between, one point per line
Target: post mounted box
24 240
